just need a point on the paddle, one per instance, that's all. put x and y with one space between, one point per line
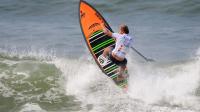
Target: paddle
145 58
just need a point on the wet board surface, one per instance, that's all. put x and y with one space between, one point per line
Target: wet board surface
97 41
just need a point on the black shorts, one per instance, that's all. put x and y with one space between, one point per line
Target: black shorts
115 61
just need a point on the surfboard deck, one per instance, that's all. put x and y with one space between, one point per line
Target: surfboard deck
90 23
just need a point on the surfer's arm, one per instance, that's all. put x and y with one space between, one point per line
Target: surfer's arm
106 31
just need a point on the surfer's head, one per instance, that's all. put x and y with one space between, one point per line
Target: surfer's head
123 29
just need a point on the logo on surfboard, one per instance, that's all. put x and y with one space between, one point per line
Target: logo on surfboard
102 60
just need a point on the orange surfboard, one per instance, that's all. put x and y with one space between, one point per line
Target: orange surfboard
97 41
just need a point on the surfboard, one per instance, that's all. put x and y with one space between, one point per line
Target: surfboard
90 23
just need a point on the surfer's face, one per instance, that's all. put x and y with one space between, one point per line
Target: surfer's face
121 29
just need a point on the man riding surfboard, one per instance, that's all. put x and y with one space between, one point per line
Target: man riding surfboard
118 52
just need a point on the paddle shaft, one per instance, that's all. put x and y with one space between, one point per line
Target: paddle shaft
145 58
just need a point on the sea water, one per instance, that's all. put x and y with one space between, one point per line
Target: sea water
45 65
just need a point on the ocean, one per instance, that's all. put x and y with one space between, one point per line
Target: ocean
45 65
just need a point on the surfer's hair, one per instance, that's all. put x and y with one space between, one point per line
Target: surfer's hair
125 29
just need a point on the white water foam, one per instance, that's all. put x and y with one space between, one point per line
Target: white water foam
198 53
171 85
31 107
88 84
151 87
29 52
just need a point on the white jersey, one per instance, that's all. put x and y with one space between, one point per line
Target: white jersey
123 43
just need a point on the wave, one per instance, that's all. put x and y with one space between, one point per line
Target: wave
49 83
152 86
29 80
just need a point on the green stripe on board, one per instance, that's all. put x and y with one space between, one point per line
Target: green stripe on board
114 76
123 84
99 31
97 46
110 69
103 44
113 66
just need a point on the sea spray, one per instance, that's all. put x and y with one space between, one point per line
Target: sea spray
173 84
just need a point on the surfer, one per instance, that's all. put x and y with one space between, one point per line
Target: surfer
118 52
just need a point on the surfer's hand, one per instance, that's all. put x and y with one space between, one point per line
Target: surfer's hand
102 25
105 30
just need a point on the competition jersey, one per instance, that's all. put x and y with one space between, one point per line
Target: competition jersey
123 43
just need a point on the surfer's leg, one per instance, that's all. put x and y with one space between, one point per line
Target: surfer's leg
122 69
103 59
107 51
122 75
